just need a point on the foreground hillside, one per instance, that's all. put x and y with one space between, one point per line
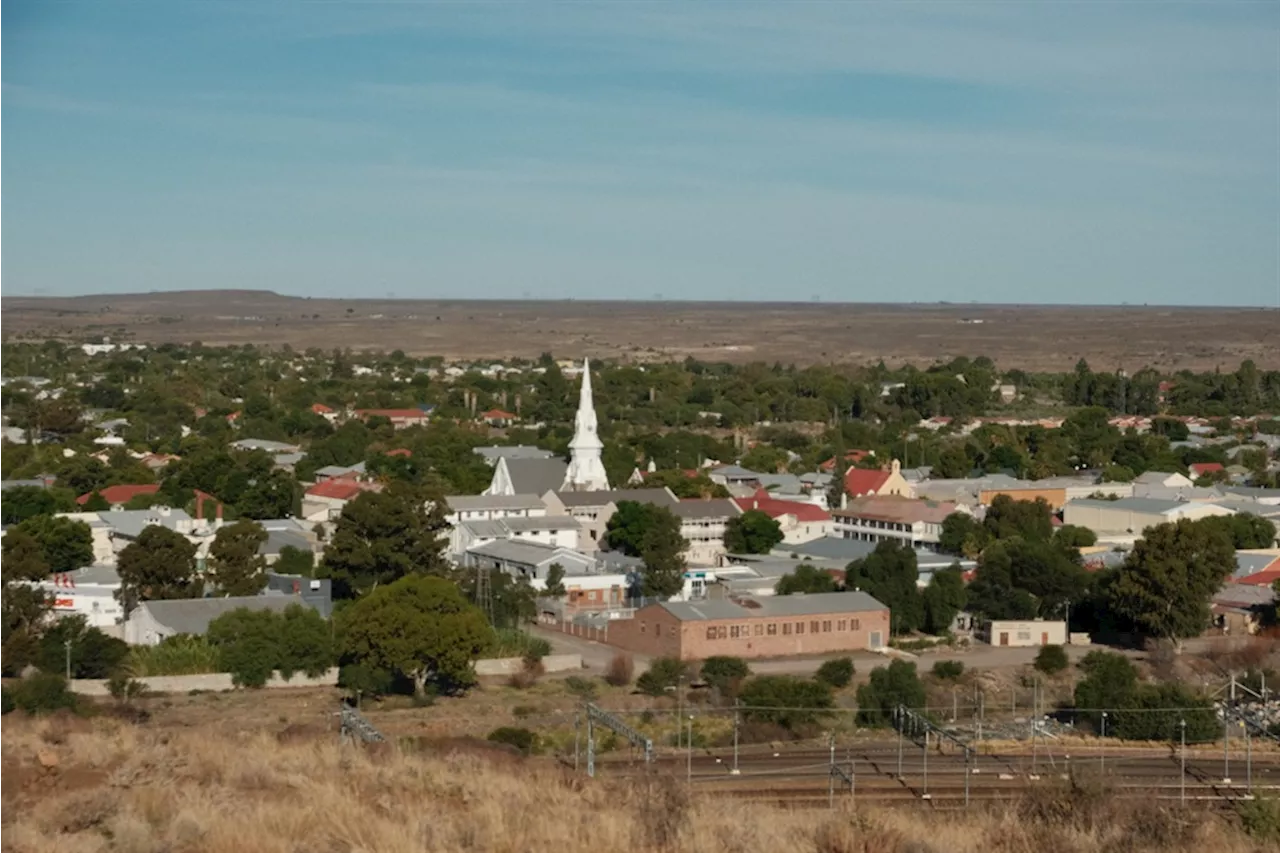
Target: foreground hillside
103 785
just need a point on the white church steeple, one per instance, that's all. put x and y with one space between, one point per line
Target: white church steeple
586 471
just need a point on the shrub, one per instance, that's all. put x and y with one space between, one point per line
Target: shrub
583 688
725 673
43 692
249 642
93 653
835 673
948 670
891 686
661 674
522 739
788 701
1260 818
1052 659
359 678
123 688
6 701
183 654
620 670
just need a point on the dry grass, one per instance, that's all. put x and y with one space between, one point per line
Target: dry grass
106 785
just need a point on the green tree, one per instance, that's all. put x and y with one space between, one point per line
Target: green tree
943 599
23 502
160 564
962 535
889 686
662 549
384 536
67 544
835 673
753 532
1070 536
271 496
793 703
1052 659
235 566
889 574
96 502
627 526
1157 711
1109 682
306 642
807 578
555 581
953 463
295 561
248 644
1007 518
23 608
93 653
420 627
1165 585
663 673
1246 530
725 673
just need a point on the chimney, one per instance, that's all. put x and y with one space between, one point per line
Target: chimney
199 507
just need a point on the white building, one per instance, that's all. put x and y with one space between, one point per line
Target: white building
907 521
703 524
554 531
1127 518
1031 632
492 507
89 592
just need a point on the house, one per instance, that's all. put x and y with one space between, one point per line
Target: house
528 560
1239 610
325 501
1020 634
1129 517
774 626
557 531
490 507
315 592
860 482
594 509
499 419
1206 469
851 457
917 523
525 476
88 592
1162 479
118 496
285 533
324 411
703 523
272 447
800 522
151 622
400 418
734 475
491 455
340 472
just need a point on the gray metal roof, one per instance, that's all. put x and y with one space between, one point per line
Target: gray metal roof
780 606
264 444
131 522
1248 564
546 522
736 472
519 451
485 528
96 574
193 615
278 539
713 508
658 497
474 503
1149 506
829 548
615 562
536 476
5 485
531 553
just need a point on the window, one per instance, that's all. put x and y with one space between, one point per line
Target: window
826 626
855 624
813 627
722 632
786 629
1024 635
641 627
759 632
799 627
733 632
657 629
842 625
773 629
711 633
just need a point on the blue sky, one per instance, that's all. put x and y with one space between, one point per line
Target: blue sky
1084 152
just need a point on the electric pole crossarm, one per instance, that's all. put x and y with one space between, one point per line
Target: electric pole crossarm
609 721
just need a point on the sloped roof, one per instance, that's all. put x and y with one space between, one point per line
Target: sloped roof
705 508
864 481
472 503
772 606
775 508
193 615
659 497
120 494
535 476
897 509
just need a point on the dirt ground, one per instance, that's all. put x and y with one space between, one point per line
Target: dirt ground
1027 337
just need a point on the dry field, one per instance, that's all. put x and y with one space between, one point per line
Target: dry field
1026 337
73 785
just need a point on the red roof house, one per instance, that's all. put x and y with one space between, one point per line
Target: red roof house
120 495
864 481
853 457
400 451
1200 469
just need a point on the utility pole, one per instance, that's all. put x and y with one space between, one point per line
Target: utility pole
736 703
67 644
690 751
1182 724
831 773
925 793
577 737
968 759
901 722
1102 747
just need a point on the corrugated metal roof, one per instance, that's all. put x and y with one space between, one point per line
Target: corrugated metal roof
773 606
193 615
659 497
473 503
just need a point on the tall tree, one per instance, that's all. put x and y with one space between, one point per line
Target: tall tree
23 502
67 544
944 598
753 532
1165 585
806 578
889 574
555 581
420 627
383 536
23 608
235 565
962 535
160 564
662 549
1007 518
626 527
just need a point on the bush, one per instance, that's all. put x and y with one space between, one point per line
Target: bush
43 692
891 686
514 643
620 670
1260 818
369 681
790 702
583 688
725 673
522 739
661 674
249 642
183 654
948 670
123 688
835 673
1052 659
6 701
93 653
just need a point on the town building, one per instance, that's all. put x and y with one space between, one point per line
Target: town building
907 521
525 475
777 626
799 521
594 509
491 455
1127 518
703 523
863 482
1022 633
325 501
490 507
586 470
556 531
152 622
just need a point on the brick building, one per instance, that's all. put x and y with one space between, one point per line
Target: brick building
777 626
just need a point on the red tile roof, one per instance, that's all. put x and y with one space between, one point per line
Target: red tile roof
497 415
340 489
1202 468
776 508
864 481
120 494
853 457
321 409
400 451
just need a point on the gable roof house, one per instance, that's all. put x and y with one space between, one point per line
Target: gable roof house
703 523
491 455
151 622
525 476
593 509
860 482
800 521
894 518
1124 520
324 501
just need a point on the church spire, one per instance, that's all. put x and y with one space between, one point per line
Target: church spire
586 471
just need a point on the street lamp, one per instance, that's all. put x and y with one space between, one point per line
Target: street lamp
67 645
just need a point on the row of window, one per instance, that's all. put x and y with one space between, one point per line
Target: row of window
772 629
